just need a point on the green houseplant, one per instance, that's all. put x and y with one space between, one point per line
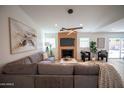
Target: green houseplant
93 48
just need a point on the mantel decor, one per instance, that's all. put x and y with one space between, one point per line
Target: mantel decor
22 37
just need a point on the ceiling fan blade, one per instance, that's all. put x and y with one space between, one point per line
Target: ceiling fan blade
76 28
71 28
62 29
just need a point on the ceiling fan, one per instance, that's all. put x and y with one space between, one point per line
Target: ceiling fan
70 29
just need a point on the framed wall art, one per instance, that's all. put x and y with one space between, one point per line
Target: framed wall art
22 37
101 43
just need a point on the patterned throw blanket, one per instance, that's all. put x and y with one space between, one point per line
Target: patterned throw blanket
109 77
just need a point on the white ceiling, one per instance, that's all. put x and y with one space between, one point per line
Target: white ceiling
93 18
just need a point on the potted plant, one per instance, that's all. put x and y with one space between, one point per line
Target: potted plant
93 49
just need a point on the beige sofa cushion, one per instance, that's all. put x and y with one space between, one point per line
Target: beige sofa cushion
86 69
45 62
17 81
36 57
55 69
24 69
85 81
54 81
25 60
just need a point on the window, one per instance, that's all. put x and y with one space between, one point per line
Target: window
84 42
51 41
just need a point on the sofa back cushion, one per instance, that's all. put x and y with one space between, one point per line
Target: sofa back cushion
25 60
24 69
36 57
86 69
55 69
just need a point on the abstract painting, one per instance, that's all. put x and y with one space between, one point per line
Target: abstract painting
101 43
22 37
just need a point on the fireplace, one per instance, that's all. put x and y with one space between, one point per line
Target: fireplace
67 44
67 53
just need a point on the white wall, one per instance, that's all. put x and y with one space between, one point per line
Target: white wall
17 13
92 36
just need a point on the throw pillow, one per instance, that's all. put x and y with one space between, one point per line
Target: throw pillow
45 56
103 52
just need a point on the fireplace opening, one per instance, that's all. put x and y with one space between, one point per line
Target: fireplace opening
67 53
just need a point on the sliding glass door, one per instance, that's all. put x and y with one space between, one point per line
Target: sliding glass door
116 47
122 48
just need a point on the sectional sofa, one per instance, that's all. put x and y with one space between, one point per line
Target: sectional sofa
34 72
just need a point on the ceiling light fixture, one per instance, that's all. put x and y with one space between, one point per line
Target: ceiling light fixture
81 24
56 25
70 11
